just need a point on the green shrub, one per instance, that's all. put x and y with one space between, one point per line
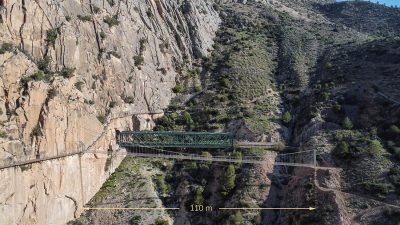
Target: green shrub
193 72
237 155
178 89
167 122
68 18
142 45
164 46
129 99
347 124
375 147
139 60
287 117
78 85
51 36
25 80
3 134
279 146
51 93
180 28
228 180
226 83
43 64
85 18
36 131
198 196
206 154
96 9
111 20
395 171
102 35
328 65
337 107
342 149
161 221
376 187
135 220
197 88
187 118
67 72
236 219
6 47
102 119
160 183
216 7
191 166
163 71
149 13
112 104
39 76
109 183
325 96
224 98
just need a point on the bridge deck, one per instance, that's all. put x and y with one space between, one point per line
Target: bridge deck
217 159
256 144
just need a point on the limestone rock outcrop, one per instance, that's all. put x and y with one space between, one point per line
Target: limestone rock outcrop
73 72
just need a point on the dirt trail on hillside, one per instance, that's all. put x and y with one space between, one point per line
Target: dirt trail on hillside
332 184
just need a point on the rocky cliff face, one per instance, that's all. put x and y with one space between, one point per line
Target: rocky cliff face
73 72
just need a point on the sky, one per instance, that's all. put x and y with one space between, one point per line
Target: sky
387 2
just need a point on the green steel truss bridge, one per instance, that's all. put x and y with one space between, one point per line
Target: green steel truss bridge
173 139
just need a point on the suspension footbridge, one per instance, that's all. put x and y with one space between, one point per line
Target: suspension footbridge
295 159
190 146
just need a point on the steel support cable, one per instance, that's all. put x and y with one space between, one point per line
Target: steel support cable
246 158
203 158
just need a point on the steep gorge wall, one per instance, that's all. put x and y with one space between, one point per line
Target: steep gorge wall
123 75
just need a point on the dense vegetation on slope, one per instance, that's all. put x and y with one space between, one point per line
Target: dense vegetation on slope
239 95
350 115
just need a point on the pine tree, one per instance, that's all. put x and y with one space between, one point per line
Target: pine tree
228 181
198 196
187 118
342 149
236 219
347 124
287 117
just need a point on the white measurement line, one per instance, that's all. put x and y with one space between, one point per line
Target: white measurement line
309 208
116 208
